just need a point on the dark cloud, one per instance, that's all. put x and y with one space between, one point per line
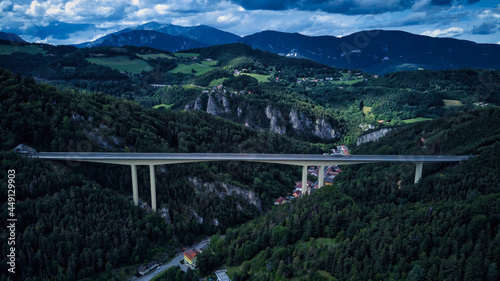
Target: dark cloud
441 2
352 7
485 28
348 7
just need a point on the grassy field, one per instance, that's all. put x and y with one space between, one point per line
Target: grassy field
186 55
367 111
452 103
259 77
187 69
216 82
414 120
348 82
30 49
209 62
166 106
154 56
191 86
122 63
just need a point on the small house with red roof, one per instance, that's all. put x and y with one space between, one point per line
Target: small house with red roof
279 201
190 256
297 193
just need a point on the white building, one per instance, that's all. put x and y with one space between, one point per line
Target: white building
222 275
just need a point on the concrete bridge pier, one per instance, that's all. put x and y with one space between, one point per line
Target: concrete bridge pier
418 172
304 180
153 186
321 179
135 189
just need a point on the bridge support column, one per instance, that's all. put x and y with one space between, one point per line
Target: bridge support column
153 186
135 189
418 171
304 180
321 179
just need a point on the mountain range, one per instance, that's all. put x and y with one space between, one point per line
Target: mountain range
10 37
373 51
200 35
379 51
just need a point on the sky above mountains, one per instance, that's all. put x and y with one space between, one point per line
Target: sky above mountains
76 21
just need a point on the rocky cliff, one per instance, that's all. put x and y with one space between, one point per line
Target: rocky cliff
222 190
259 115
373 136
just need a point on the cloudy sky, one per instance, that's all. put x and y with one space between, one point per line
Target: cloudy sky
75 21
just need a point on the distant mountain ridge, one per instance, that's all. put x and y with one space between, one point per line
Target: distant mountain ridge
204 34
146 38
10 37
189 37
379 51
372 51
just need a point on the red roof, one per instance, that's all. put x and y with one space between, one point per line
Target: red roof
281 199
190 254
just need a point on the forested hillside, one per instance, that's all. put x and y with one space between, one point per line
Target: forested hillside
374 223
77 221
75 218
298 98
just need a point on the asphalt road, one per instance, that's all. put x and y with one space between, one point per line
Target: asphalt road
174 262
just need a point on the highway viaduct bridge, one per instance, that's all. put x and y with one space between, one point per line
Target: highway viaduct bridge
304 160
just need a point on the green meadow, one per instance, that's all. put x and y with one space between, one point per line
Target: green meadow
186 55
188 69
122 63
154 56
30 49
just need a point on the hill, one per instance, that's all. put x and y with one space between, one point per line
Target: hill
10 37
380 51
95 196
374 223
170 35
204 34
145 38
295 97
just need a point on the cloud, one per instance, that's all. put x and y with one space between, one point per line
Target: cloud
489 27
450 32
350 7
353 7
63 19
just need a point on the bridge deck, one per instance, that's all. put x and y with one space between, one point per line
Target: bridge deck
293 159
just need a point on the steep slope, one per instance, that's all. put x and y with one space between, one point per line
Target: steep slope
379 51
10 37
204 34
198 199
375 223
194 36
146 38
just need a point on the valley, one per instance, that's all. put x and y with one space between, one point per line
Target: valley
77 221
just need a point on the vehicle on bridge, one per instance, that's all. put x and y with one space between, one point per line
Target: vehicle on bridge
341 150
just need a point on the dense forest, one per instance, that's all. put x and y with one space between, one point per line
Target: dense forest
72 196
375 224
76 221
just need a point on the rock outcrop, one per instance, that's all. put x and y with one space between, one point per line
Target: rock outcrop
373 136
258 115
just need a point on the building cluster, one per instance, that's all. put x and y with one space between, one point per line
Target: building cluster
330 173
